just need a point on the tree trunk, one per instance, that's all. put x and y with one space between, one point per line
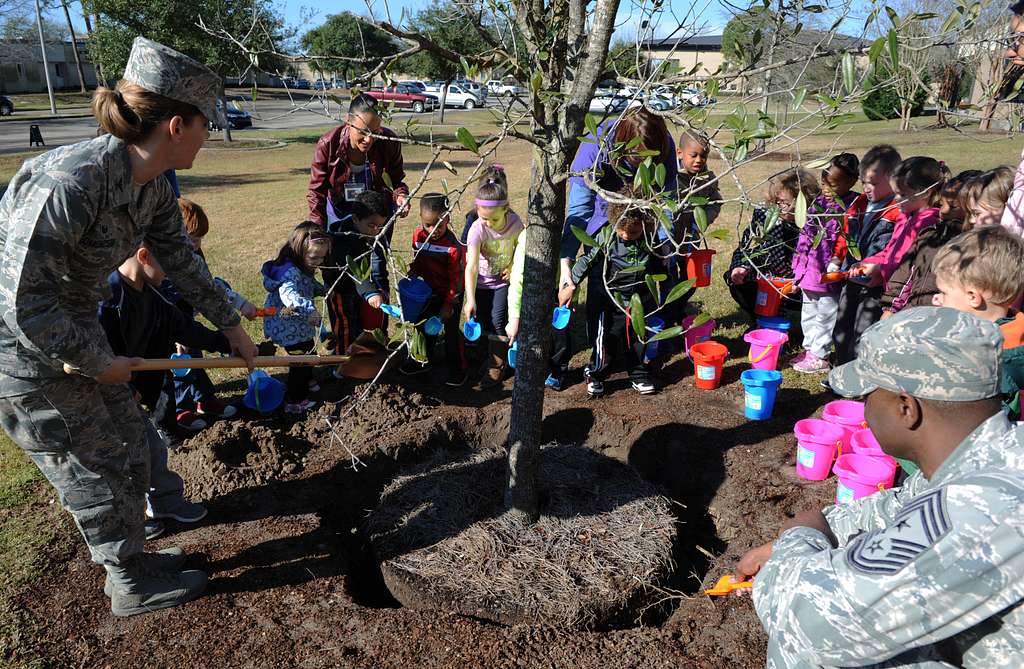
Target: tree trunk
573 68
88 31
74 46
444 96
227 124
905 111
546 211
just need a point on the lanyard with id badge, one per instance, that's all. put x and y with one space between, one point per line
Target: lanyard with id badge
350 191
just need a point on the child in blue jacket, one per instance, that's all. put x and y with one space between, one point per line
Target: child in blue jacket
291 288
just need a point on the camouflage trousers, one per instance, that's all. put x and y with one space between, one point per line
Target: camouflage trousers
90 442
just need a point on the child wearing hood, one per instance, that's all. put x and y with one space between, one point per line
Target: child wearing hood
291 288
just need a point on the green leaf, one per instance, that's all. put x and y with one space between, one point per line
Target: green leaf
537 81
254 93
894 50
465 65
700 217
893 16
798 99
953 19
584 238
673 331
659 175
636 316
660 277
634 269
591 124
849 73
387 180
720 234
852 248
876 50
679 290
467 140
701 319
543 56
741 152
711 88
652 286
800 209
818 164
448 166
418 347
635 142
817 238
381 337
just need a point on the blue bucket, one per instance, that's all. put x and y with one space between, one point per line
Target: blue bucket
513 350
415 293
471 329
777 323
560 318
654 326
264 393
181 372
760 388
433 326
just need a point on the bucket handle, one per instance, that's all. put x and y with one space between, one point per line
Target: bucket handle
839 447
764 353
864 424
881 486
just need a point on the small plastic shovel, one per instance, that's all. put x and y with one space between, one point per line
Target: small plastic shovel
513 350
471 329
832 277
391 310
264 312
726 585
560 318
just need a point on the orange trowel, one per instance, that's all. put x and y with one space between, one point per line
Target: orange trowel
727 585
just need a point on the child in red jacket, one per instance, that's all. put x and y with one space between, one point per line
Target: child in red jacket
440 260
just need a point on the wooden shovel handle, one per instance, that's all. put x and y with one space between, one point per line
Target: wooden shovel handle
231 362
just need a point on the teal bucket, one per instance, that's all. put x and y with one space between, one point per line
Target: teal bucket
415 293
760 388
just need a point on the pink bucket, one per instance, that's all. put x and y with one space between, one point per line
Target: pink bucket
864 442
765 346
862 475
698 334
847 414
817 444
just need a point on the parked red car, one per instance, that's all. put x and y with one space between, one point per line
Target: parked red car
404 96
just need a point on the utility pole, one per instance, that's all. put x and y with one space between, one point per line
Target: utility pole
46 62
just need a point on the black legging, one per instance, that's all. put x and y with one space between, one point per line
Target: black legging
299 376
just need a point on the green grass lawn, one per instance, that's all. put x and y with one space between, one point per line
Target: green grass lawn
25 102
254 198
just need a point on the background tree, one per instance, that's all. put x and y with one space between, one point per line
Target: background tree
353 44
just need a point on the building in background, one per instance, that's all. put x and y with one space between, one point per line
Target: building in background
21 66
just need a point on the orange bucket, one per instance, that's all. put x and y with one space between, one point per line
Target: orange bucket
769 296
698 267
708 358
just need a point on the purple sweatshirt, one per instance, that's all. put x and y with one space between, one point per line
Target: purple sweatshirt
824 216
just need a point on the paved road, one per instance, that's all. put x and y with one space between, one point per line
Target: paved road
271 114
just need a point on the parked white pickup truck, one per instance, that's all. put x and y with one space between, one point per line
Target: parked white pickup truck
502 88
457 96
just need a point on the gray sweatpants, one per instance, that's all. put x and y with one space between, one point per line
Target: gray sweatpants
90 442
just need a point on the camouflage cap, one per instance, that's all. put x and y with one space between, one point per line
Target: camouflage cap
932 353
164 71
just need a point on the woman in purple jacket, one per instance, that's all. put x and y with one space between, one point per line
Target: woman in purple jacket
588 211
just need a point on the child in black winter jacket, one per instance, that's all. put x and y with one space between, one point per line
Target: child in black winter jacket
617 255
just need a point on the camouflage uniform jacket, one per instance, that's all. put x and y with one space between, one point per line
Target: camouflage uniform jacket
70 217
927 575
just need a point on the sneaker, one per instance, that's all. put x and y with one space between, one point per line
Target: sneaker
215 407
595 388
167 560
183 511
826 385
314 387
553 382
191 421
299 408
798 358
812 364
153 529
457 378
644 387
413 367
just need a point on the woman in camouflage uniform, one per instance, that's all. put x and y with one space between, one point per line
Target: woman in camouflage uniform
70 217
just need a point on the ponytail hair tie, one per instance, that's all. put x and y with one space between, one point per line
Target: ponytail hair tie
498 167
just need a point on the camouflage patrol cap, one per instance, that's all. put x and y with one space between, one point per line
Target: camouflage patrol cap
164 71
932 353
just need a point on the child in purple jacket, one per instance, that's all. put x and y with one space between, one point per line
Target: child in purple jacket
811 258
